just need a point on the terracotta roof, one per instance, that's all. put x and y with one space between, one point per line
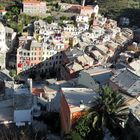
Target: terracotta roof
86 8
3 11
33 1
37 91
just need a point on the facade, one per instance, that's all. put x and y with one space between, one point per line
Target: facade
10 38
2 13
3 46
16 102
83 19
34 7
23 103
40 57
89 11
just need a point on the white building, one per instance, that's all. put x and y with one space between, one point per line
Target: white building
3 46
23 108
81 18
2 13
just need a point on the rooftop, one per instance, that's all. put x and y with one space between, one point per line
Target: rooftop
136 111
75 52
74 66
127 81
32 1
97 70
135 65
75 95
23 101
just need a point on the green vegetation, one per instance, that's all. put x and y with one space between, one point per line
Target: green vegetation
109 112
13 74
64 18
18 21
117 8
1 7
49 19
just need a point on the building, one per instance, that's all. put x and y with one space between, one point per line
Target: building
134 65
23 105
83 19
134 47
3 46
90 11
71 28
10 38
74 8
34 7
16 102
34 56
2 13
127 82
73 103
100 74
72 68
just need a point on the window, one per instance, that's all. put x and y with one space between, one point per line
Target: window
34 58
20 53
60 56
56 57
59 62
50 63
46 64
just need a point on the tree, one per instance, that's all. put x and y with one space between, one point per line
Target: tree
49 19
12 73
15 10
64 18
109 112
1 7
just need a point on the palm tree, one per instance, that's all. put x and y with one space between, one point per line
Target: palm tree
108 112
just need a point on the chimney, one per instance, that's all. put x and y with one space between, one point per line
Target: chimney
30 84
82 106
83 2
